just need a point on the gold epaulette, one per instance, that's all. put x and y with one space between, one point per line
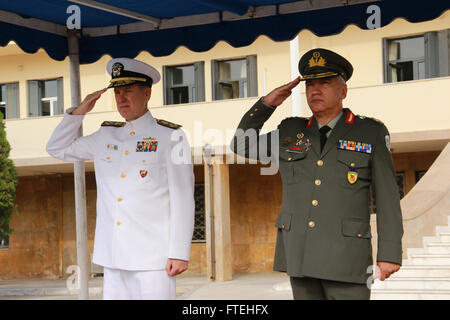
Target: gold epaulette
168 124
113 124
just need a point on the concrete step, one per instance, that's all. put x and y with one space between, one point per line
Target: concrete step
431 248
442 229
56 291
412 251
407 271
422 283
439 237
411 294
444 236
429 259
437 248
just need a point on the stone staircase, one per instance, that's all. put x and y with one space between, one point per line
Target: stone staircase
425 275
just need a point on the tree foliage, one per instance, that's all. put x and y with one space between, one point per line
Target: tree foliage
8 183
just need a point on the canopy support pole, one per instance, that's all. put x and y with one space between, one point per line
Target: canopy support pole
294 58
79 175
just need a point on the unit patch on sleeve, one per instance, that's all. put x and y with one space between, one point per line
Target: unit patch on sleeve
354 146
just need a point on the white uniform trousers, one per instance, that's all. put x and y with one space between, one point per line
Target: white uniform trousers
138 285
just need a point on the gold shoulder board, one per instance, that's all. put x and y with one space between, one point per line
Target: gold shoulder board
113 124
168 124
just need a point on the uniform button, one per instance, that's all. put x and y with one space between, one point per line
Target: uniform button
352 164
132 133
289 159
118 223
119 199
256 109
251 114
318 182
359 235
315 203
127 152
319 163
123 175
312 224
108 158
143 161
282 226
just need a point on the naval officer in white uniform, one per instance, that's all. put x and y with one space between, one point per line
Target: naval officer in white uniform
145 187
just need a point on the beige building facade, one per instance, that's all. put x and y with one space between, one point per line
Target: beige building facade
402 77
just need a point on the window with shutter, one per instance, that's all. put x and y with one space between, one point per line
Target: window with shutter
9 100
45 97
419 57
234 78
184 84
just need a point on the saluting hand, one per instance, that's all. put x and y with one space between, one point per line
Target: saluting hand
278 95
88 103
176 266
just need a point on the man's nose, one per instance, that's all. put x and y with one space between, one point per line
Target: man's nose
314 88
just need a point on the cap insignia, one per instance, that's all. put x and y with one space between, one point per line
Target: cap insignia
116 69
316 60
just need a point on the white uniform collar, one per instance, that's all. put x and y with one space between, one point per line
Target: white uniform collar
141 124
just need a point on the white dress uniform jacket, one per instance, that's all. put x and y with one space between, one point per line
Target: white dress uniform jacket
145 190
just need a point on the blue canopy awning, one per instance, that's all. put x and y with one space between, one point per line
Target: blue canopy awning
196 24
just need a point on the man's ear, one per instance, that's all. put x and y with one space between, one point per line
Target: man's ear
344 91
148 93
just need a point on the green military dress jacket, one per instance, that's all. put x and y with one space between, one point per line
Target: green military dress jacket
324 223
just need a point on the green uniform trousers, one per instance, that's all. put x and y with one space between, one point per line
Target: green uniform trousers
305 288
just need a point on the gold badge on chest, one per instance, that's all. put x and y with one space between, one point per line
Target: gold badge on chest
143 173
352 177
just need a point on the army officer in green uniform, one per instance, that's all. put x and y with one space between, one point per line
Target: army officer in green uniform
327 164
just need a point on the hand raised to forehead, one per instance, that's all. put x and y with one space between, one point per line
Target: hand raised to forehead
89 102
278 95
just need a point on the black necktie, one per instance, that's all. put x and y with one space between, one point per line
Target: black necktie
323 136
